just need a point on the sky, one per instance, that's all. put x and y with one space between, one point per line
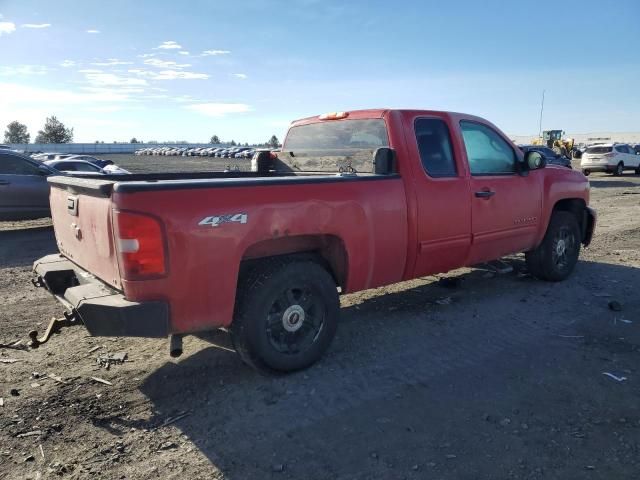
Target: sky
243 70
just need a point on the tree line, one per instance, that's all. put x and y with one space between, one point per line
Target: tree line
54 131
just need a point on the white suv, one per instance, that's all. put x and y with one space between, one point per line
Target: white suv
613 158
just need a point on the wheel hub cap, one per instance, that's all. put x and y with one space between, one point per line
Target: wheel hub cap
293 318
561 247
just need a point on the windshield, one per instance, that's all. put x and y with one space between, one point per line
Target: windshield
598 150
334 146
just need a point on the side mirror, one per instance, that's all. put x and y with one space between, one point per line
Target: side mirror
384 161
534 160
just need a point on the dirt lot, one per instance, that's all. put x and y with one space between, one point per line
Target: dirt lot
504 381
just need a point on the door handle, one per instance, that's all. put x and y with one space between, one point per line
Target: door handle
485 194
4 182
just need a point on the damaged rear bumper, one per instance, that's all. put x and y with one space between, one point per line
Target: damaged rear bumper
104 311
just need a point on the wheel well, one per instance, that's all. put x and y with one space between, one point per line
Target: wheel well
327 250
577 207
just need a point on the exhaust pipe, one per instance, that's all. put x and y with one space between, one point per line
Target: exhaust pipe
175 345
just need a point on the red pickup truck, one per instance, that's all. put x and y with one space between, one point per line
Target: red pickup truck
354 200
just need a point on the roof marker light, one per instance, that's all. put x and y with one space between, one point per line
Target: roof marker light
334 115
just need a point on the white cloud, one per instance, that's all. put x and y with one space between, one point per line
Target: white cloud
169 74
67 63
183 52
219 109
93 31
156 62
242 76
174 75
7 27
111 62
23 70
146 55
208 53
109 79
168 45
14 94
35 25
90 70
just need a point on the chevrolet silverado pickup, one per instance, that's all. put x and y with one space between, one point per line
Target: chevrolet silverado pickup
354 200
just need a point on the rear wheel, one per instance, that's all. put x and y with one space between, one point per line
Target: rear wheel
637 171
555 258
286 314
586 173
619 169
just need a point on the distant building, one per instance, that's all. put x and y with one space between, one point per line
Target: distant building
588 138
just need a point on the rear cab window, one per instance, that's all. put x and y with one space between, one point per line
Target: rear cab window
434 145
333 146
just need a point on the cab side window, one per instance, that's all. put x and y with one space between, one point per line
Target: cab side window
14 165
434 144
488 153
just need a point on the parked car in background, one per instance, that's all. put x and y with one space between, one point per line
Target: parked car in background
4 147
24 191
106 165
549 155
636 148
69 165
611 158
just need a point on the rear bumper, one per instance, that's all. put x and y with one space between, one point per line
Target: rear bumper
104 311
597 167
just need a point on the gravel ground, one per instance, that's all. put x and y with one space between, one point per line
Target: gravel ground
505 380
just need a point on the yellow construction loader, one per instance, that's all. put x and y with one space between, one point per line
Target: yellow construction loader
554 140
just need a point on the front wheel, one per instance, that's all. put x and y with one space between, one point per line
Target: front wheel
556 257
586 173
286 314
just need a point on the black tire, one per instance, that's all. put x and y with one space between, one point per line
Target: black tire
619 169
586 173
555 258
286 314
637 171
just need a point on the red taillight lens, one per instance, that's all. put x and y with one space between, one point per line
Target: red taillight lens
140 246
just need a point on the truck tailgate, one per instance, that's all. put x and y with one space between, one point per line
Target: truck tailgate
81 213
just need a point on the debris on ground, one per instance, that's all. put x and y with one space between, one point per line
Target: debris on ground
17 345
101 380
9 360
29 434
97 347
168 446
444 301
14 392
171 420
57 378
109 359
615 306
625 320
277 467
601 294
615 377
499 267
1 402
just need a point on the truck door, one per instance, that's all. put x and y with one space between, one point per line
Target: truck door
505 206
441 189
23 188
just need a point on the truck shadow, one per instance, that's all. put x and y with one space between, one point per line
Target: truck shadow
392 350
19 248
613 184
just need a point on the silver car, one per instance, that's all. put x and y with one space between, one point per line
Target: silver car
24 191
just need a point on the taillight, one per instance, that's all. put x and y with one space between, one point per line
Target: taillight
140 246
